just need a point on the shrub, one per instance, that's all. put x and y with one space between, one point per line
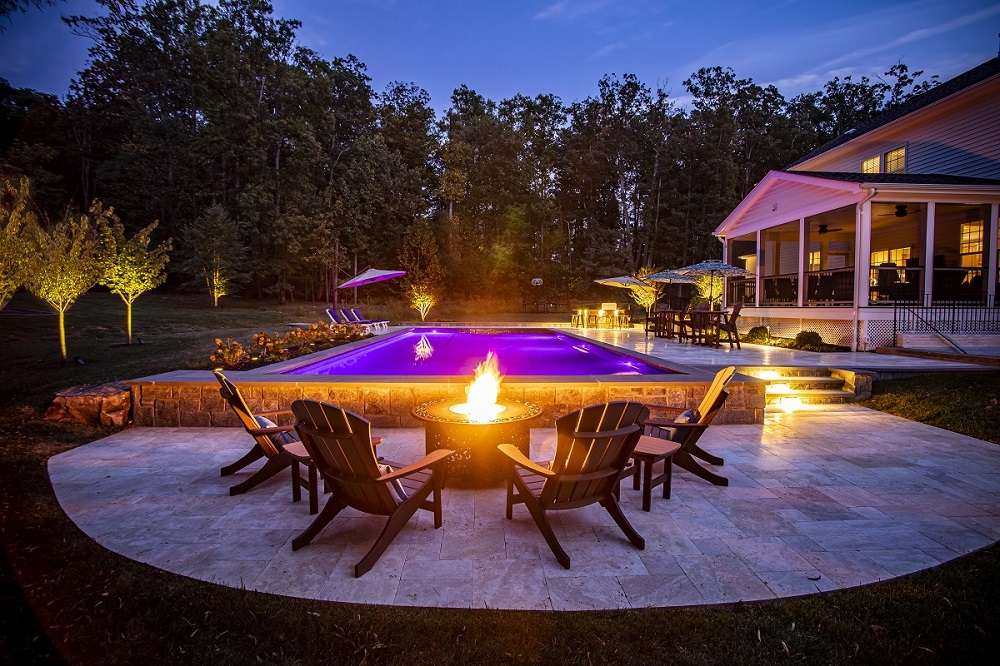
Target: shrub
267 348
806 339
757 334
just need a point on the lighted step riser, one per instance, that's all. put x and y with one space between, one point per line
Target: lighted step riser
789 372
811 383
774 400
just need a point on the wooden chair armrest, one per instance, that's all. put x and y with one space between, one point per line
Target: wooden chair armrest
275 412
271 431
522 460
432 458
376 440
683 426
662 423
609 434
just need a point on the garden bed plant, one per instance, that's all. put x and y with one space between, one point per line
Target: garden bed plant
804 340
267 348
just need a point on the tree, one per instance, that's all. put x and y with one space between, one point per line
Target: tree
67 263
648 293
419 255
17 224
130 266
422 299
214 252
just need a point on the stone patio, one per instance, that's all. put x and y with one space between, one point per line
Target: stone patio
765 355
817 501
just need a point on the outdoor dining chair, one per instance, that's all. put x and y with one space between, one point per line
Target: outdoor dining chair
340 444
727 326
593 447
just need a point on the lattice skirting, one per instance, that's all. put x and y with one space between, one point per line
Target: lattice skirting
833 331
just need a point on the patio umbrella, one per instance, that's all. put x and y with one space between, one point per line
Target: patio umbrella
622 281
711 268
370 276
670 277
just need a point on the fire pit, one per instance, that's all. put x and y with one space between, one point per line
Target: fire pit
473 429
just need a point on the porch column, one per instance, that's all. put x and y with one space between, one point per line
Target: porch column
803 257
929 255
862 253
991 257
760 260
725 280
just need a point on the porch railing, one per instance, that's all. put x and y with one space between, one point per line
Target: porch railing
947 319
891 285
780 289
830 287
741 291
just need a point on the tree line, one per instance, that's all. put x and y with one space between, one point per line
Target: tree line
282 166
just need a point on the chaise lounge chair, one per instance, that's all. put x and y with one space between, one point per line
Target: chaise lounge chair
354 315
593 447
678 440
340 443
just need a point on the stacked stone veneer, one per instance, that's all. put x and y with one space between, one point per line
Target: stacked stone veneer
385 404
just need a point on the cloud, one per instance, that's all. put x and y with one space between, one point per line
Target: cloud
606 50
917 35
569 9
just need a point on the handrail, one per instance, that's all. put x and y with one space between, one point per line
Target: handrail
928 324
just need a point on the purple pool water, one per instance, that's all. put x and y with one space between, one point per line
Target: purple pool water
445 351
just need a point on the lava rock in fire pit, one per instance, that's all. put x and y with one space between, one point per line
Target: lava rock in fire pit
105 405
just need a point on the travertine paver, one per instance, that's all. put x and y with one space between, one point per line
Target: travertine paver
753 355
818 501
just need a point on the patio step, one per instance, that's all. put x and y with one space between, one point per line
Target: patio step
811 396
805 383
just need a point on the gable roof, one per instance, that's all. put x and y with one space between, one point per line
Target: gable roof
937 93
898 178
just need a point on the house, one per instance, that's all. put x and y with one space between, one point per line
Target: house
885 234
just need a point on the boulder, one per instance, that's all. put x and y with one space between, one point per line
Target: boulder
104 405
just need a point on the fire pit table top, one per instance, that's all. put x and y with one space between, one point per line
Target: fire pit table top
439 411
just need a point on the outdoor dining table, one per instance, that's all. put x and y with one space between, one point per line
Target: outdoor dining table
699 326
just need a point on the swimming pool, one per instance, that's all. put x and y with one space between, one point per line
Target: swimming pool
457 351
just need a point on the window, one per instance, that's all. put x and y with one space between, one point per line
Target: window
870 165
895 160
970 245
814 260
896 257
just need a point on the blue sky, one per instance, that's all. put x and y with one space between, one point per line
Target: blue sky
564 46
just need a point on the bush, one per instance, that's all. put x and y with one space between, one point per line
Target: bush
265 348
757 334
807 339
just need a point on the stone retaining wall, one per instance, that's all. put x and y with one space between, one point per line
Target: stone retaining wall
388 404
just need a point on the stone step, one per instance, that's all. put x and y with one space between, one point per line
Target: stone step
812 396
768 374
806 383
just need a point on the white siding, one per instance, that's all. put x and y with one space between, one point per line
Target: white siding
958 136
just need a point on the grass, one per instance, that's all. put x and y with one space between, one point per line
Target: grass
65 598
968 403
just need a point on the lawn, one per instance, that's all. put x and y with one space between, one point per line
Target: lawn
66 598
968 403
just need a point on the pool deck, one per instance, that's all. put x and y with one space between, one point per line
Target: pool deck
762 355
818 501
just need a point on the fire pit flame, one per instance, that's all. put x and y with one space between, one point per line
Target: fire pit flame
480 404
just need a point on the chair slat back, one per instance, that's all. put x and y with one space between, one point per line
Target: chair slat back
336 317
722 378
346 315
340 444
235 400
593 445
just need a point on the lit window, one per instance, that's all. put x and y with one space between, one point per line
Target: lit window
895 160
870 165
970 244
814 260
896 256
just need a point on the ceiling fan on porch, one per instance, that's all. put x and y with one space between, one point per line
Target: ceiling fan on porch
825 229
901 210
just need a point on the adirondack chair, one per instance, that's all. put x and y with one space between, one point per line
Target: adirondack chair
592 450
277 443
340 444
688 427
728 327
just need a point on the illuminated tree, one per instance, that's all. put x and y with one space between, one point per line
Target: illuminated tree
709 288
67 264
422 299
648 293
419 256
130 266
214 252
17 223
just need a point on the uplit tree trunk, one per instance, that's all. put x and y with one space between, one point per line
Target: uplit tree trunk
128 320
62 335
